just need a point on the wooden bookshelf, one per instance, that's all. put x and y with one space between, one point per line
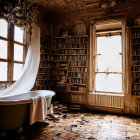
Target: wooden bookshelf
77 65
60 47
135 67
63 64
44 76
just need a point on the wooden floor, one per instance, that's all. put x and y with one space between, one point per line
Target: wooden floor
86 126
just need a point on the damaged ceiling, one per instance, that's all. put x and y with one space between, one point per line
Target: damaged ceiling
62 7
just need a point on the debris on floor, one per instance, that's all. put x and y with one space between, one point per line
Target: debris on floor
60 108
84 126
76 107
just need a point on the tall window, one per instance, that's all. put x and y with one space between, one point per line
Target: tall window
12 52
18 53
3 50
108 69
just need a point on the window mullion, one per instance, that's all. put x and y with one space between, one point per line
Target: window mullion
10 52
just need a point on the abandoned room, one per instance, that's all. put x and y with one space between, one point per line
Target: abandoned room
69 69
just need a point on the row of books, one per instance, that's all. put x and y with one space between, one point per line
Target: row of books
78 46
136 62
68 46
78 39
78 57
60 46
61 51
59 77
137 58
77 69
135 68
77 81
77 51
135 86
70 51
59 65
45 76
135 74
136 41
64 58
46 50
59 72
45 71
77 63
72 74
45 64
136 51
135 80
135 35
136 93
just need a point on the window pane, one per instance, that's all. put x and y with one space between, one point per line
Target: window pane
109 58
3 71
18 52
17 71
108 82
3 49
3 28
18 34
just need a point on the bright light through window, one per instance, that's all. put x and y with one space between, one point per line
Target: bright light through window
18 52
3 71
109 64
18 34
109 82
3 28
3 49
17 71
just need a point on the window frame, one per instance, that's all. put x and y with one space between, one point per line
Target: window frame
10 51
102 34
92 50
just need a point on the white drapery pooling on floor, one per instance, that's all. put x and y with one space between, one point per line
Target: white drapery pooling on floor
26 82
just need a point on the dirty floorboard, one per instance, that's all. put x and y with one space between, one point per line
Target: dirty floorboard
86 126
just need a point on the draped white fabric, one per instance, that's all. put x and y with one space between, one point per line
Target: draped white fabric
26 82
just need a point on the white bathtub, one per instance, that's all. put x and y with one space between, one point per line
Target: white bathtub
14 110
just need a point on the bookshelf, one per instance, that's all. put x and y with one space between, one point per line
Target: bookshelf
77 65
135 67
63 64
44 76
60 47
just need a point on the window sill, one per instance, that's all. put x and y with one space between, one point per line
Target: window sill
105 93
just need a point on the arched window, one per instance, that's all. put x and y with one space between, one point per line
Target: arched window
12 52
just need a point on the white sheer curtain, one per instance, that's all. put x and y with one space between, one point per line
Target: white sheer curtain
26 82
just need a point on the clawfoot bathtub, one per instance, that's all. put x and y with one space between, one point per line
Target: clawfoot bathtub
15 110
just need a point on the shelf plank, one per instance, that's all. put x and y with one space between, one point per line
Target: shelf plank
76 72
80 43
77 66
77 84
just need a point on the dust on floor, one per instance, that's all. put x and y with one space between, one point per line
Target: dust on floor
86 126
